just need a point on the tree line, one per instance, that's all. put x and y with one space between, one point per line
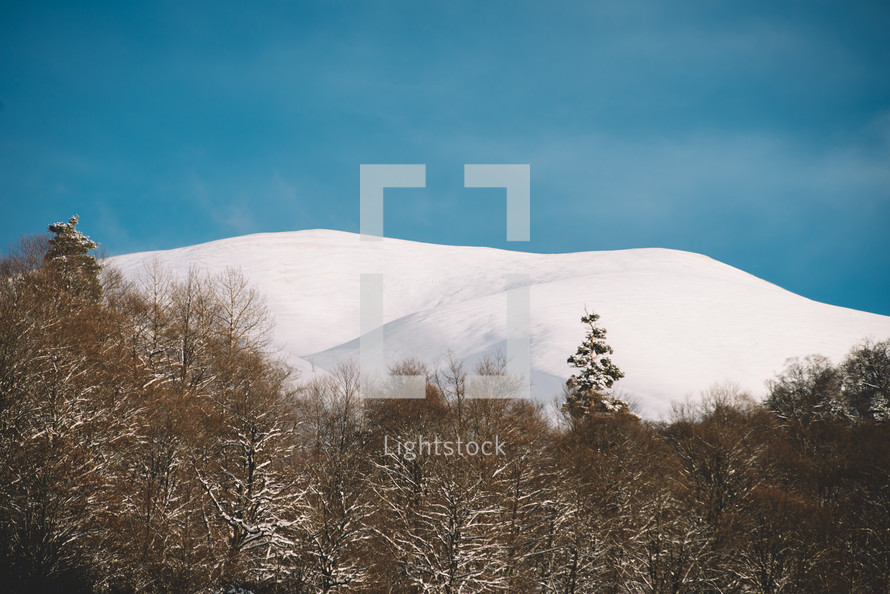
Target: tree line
151 440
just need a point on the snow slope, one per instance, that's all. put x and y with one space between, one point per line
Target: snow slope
678 322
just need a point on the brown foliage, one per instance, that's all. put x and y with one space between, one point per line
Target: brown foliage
151 441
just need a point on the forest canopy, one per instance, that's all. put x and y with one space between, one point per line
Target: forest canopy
152 440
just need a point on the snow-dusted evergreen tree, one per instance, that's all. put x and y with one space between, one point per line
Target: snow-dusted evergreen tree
588 391
807 390
70 258
814 388
866 381
64 398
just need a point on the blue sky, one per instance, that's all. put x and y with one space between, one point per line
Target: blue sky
757 133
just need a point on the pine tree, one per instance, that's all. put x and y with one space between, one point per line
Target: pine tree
69 257
866 382
588 390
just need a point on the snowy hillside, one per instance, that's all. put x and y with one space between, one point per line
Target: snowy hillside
679 322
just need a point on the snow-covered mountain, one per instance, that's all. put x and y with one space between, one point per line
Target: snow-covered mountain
678 322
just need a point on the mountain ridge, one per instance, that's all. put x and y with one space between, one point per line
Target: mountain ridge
678 321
